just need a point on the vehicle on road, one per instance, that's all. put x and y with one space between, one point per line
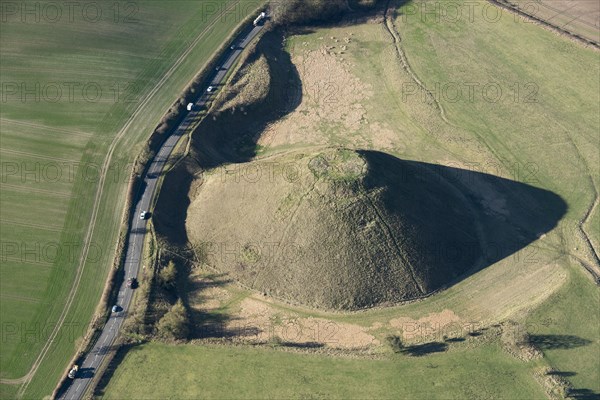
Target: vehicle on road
110 331
132 283
73 372
260 18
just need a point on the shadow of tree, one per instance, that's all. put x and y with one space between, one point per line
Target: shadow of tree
419 350
211 323
219 325
562 373
455 340
477 332
86 373
306 345
583 394
552 342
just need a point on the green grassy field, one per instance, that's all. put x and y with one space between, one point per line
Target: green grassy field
555 131
189 371
572 314
54 144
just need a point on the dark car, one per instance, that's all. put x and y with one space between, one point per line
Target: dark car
132 283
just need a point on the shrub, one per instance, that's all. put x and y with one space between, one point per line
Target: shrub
395 343
291 12
168 276
175 323
303 11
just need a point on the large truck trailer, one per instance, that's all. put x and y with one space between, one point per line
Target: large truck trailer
260 17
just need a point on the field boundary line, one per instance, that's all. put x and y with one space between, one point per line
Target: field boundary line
28 225
48 128
588 215
507 5
390 26
25 261
26 379
33 155
26 189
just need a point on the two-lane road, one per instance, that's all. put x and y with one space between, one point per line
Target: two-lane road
137 231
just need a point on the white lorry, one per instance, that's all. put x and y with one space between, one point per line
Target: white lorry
73 372
260 17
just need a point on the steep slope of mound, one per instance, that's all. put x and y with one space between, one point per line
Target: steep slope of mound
340 229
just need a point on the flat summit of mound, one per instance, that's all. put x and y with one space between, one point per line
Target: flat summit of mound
339 229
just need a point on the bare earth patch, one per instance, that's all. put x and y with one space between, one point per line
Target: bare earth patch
271 324
430 325
332 99
207 296
256 321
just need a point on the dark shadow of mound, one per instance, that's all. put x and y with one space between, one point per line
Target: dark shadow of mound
228 137
231 136
509 214
551 342
172 204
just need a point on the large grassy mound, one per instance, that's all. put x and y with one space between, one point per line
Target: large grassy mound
339 229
